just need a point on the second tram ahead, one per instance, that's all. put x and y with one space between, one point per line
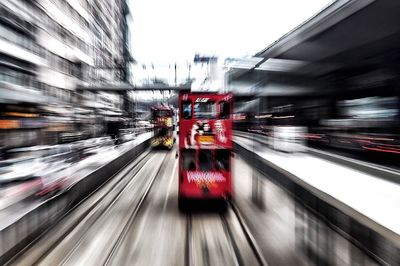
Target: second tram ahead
163 126
205 146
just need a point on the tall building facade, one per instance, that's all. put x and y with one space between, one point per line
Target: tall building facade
48 48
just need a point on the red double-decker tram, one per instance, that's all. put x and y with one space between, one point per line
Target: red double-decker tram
163 126
205 146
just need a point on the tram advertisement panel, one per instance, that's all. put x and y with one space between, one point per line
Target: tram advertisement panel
205 121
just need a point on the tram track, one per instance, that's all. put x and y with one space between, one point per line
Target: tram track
249 236
188 250
133 215
133 218
233 241
117 220
84 216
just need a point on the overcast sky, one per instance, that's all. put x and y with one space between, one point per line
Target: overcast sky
166 31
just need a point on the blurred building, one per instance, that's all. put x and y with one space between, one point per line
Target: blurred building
344 91
47 49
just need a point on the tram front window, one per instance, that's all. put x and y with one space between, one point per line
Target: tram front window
161 132
161 113
204 110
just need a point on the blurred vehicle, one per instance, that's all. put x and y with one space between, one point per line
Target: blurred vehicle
85 148
20 169
163 126
101 141
127 135
36 170
19 179
54 178
205 146
365 124
66 137
100 155
144 124
62 153
38 151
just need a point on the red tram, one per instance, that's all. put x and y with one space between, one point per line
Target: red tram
205 146
163 126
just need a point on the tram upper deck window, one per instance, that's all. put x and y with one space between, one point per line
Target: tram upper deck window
186 109
205 110
205 160
222 159
224 110
189 160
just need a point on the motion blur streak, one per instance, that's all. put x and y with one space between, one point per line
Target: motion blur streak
288 156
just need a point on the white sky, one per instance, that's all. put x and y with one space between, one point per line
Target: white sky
165 31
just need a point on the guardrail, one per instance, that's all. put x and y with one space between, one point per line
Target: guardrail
391 175
324 211
382 172
18 235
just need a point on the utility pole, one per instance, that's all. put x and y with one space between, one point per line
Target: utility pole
189 67
152 67
175 76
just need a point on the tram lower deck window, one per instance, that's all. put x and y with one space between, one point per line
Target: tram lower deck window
205 160
189 160
222 158
224 109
